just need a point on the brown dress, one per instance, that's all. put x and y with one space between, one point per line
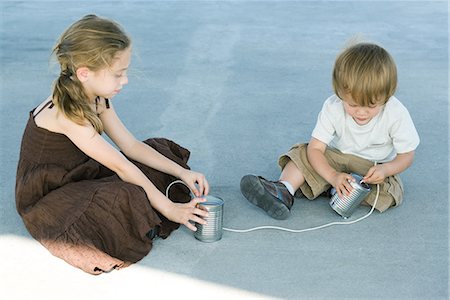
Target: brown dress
83 212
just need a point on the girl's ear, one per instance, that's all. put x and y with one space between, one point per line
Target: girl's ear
83 74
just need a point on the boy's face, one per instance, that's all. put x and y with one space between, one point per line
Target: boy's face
361 114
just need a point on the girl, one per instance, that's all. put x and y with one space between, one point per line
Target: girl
85 201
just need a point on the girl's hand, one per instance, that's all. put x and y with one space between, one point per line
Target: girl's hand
375 175
342 184
184 213
192 178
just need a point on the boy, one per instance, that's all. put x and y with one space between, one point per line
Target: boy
361 129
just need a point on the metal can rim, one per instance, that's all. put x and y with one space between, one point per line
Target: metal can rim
212 200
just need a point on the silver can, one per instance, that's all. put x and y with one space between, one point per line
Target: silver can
346 206
212 230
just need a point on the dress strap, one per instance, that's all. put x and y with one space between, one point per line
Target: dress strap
97 100
96 105
49 104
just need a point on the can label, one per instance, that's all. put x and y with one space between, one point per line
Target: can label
212 230
346 205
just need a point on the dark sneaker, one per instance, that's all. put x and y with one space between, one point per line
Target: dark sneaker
271 196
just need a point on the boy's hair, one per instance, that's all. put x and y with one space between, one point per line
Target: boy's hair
91 42
367 72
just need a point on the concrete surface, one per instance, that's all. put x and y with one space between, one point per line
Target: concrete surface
238 82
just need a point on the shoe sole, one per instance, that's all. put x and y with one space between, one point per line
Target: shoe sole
254 192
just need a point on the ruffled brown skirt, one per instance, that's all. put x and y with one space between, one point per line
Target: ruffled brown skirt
84 213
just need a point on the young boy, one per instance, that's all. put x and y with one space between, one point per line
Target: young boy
361 129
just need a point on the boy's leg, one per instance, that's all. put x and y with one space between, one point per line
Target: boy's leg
292 175
310 184
271 196
275 197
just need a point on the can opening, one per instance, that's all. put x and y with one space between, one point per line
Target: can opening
211 200
364 185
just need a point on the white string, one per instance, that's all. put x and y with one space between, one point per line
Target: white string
288 229
312 228
174 182
308 229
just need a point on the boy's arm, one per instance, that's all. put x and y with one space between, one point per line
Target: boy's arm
378 173
340 181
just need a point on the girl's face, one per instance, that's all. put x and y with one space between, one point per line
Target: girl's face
108 82
360 114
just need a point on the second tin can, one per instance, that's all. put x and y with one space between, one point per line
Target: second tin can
346 205
212 230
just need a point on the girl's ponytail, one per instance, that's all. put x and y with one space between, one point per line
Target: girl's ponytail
70 98
91 42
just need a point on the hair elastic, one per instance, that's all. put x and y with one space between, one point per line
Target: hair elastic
66 73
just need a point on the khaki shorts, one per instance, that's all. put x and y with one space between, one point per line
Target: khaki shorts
391 190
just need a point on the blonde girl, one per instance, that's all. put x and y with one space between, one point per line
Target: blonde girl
90 204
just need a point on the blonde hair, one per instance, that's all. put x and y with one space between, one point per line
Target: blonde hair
367 72
91 42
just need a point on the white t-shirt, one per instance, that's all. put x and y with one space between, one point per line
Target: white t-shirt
390 132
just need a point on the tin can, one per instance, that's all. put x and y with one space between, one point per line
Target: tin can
212 230
346 206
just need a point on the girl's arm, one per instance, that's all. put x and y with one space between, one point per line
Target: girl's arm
146 155
96 147
340 181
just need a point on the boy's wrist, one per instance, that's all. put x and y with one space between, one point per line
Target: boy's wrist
387 169
330 176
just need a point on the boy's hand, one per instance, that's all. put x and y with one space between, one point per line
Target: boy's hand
375 175
342 184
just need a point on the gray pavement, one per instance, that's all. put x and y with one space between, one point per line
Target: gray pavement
238 83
